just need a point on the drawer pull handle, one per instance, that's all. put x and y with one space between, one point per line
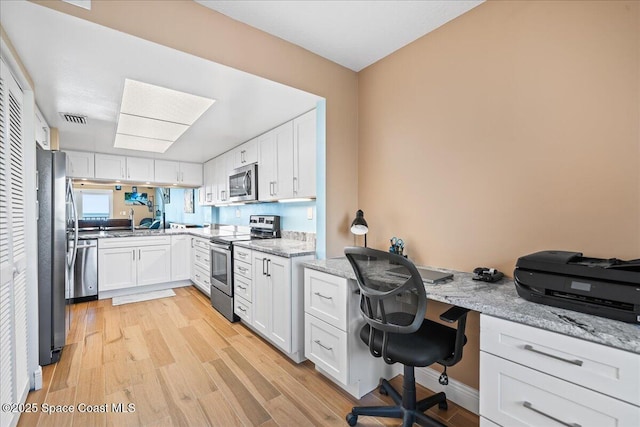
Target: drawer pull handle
240 254
242 287
573 362
322 296
244 270
242 309
322 345
537 411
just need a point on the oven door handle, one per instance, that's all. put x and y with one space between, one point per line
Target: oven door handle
219 249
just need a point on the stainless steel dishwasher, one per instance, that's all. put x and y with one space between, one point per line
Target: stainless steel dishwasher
85 272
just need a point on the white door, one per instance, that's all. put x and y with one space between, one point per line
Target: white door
167 172
180 257
261 294
110 167
279 273
13 303
116 268
154 264
139 169
267 166
191 174
304 155
80 164
284 161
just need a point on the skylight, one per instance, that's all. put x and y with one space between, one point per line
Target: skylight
153 117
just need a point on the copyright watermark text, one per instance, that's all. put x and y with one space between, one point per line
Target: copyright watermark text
47 408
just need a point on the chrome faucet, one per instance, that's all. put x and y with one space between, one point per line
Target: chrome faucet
132 220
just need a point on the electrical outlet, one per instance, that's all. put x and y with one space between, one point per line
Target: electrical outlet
309 213
237 212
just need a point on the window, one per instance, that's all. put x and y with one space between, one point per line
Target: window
94 204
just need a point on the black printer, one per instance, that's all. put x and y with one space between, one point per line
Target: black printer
602 287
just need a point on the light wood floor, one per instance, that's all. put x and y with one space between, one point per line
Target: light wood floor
182 364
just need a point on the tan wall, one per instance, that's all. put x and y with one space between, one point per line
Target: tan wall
512 129
118 200
192 28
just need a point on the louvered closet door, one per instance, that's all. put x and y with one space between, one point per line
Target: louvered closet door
13 329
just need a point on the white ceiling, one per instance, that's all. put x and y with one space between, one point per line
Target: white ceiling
355 34
80 67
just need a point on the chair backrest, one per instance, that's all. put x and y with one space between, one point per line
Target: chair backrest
144 221
389 303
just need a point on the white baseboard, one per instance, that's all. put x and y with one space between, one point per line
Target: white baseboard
37 378
457 392
142 289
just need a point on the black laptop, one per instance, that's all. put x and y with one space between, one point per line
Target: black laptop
428 276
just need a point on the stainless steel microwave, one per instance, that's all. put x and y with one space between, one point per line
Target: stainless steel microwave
243 184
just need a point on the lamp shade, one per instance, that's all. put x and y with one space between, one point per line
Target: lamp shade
359 225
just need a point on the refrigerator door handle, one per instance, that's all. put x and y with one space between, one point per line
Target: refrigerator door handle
72 198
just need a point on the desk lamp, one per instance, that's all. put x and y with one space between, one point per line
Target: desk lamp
359 226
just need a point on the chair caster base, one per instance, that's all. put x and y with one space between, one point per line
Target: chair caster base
443 405
352 420
383 391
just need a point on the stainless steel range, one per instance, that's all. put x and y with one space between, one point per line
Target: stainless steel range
262 227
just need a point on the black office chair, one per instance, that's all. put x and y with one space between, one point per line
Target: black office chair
394 309
145 222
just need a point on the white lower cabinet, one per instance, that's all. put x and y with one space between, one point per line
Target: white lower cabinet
116 268
180 257
532 377
332 323
130 262
243 284
201 264
276 305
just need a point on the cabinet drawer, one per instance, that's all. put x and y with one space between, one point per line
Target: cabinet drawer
202 259
201 244
242 308
202 279
326 346
242 287
514 395
607 370
325 297
242 254
242 269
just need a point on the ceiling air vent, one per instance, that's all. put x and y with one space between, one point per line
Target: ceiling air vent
78 119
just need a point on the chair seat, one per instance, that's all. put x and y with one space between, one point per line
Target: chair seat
429 344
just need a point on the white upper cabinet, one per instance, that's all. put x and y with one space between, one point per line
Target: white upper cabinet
80 164
287 159
139 169
245 154
110 167
42 132
187 174
191 174
304 155
210 187
223 164
275 178
167 171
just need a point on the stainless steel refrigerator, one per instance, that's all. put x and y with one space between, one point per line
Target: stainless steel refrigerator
56 216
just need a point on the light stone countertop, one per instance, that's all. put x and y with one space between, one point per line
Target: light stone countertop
287 248
198 232
500 299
